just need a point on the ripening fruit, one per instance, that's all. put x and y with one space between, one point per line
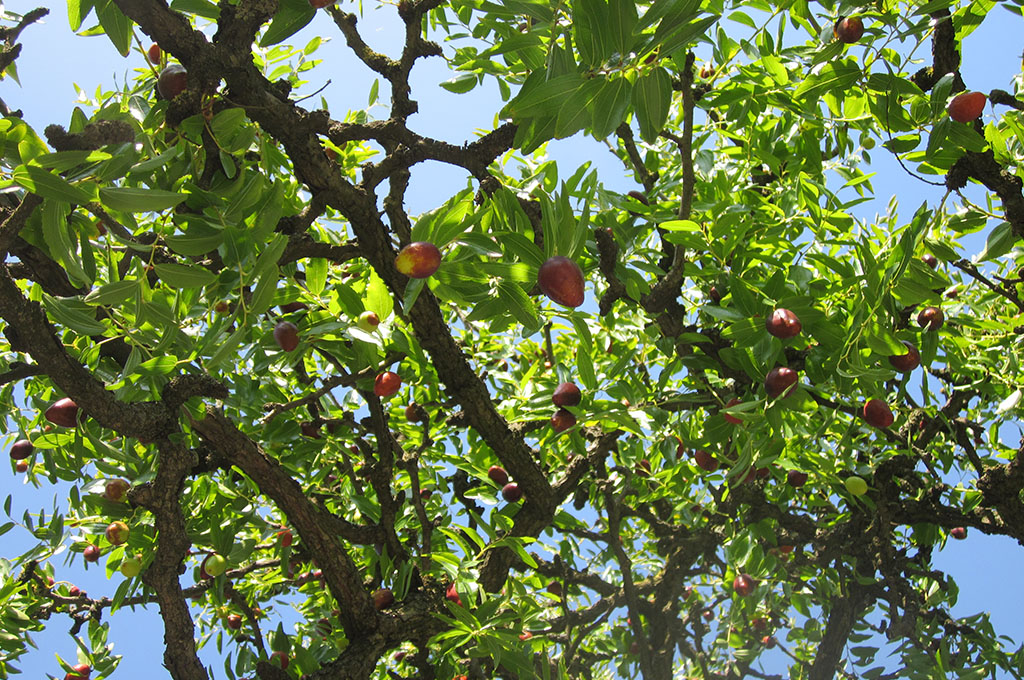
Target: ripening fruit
418 260
849 29
566 394
906 362
967 106
21 466
117 532
63 412
452 595
959 533
172 81
286 335
931 318
783 324
387 384
153 53
561 279
511 492
562 420
878 414
744 585
368 321
285 537
21 449
116 490
131 567
497 474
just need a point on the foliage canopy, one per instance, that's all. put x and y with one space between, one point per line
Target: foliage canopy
693 518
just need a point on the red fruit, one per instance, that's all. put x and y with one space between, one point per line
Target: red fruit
525 635
759 624
849 29
74 591
707 614
280 658
561 279
639 197
286 335
906 362
769 641
172 81
562 420
320 4
418 260
289 307
221 307
21 466
783 324
383 598
285 537
967 106
715 295
21 449
116 490
63 412
387 384
763 472
566 394
153 53
79 672
707 72
310 430
744 585
785 549
413 413
555 588
931 318
953 293
959 533
452 595
117 532
498 475
878 414
930 260
705 461
425 494
779 380
91 553
643 468
732 419
511 492
234 621
796 478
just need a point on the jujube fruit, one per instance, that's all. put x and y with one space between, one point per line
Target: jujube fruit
561 279
418 260
173 81
783 324
967 106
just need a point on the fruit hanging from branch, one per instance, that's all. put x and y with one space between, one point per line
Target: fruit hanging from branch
561 279
783 324
967 106
418 260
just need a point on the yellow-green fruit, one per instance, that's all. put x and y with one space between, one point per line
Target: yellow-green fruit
131 567
856 486
215 565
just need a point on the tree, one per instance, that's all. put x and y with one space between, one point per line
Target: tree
201 298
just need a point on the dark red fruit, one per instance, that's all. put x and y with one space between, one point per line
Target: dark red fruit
931 318
878 414
63 412
555 588
715 295
418 260
414 413
732 419
705 461
639 197
783 324
849 29
769 641
116 490
386 384
906 362
561 279
311 430
930 260
566 394
383 598
153 53
285 537
290 307
511 492
280 658
234 621
91 553
21 449
21 466
320 4
172 81
744 585
498 475
796 478
562 420
643 468
286 335
452 595
959 533
967 106
79 672
779 380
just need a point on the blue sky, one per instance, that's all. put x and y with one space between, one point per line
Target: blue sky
987 569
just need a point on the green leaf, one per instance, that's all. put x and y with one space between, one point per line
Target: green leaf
575 112
201 8
543 97
56 231
291 17
591 32
78 10
183 275
116 25
378 296
622 18
133 199
112 293
462 83
316 274
50 185
999 242
73 314
610 106
652 98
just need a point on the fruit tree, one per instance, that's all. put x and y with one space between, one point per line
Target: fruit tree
690 410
